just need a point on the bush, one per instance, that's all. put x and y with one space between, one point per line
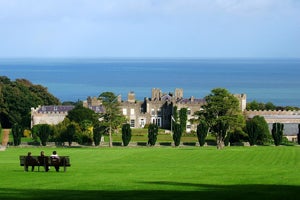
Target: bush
277 133
202 130
152 134
177 134
126 134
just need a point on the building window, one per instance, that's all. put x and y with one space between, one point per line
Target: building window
158 112
124 111
189 111
152 111
132 111
132 123
142 123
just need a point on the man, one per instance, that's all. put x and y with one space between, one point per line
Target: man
55 160
30 161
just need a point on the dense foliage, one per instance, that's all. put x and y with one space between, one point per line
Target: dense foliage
263 131
277 133
252 130
254 105
126 134
112 118
152 134
298 135
43 131
177 133
17 133
98 131
202 130
18 97
183 119
222 114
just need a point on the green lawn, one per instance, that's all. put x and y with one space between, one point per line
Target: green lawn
157 173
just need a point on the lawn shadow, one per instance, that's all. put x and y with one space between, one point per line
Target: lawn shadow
202 191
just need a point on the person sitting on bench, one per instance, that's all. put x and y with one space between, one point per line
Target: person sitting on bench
55 160
43 160
30 161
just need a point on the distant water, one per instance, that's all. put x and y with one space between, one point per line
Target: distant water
264 80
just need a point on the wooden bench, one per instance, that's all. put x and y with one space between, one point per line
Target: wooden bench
45 161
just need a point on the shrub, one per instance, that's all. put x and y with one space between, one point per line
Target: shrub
152 134
126 134
277 133
177 134
202 130
17 133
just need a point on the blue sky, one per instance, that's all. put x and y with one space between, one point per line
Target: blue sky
150 28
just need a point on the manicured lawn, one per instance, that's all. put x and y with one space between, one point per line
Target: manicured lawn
157 173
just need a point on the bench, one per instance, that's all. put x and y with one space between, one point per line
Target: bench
63 161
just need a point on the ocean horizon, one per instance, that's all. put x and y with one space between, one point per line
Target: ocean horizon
73 79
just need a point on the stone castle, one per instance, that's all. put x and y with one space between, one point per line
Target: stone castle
158 109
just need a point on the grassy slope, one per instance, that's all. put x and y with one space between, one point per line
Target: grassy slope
158 173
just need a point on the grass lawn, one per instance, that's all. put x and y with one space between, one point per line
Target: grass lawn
157 173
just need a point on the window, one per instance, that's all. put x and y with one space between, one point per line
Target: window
189 111
132 111
132 123
158 112
142 123
152 111
124 111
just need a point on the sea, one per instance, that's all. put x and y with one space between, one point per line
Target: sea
73 79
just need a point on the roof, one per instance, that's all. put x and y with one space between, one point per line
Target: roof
55 108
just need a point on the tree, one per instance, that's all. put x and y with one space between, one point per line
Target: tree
222 114
202 130
17 133
298 135
263 131
98 131
183 119
18 97
277 133
152 134
43 131
177 134
80 113
126 134
252 131
70 133
175 113
112 118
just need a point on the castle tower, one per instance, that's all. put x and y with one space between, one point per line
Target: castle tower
131 97
242 100
156 94
178 93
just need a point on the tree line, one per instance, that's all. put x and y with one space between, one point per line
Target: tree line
220 116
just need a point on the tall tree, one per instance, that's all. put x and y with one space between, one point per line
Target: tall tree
222 114
202 130
43 131
80 113
298 135
183 119
126 134
18 97
17 133
98 131
263 131
112 118
177 134
152 134
277 133
252 131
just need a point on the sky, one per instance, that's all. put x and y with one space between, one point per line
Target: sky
150 28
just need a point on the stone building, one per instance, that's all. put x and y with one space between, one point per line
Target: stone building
157 109
49 114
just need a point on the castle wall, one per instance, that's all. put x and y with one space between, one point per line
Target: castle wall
290 119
